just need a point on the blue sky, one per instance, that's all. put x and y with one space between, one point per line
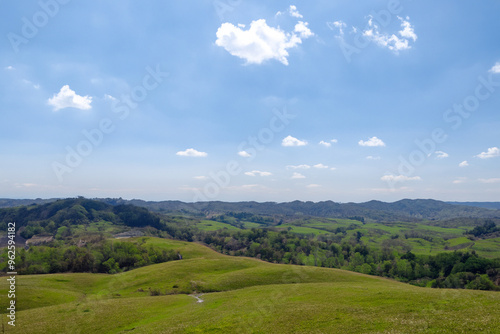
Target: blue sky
250 100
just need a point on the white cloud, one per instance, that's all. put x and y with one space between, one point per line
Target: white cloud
67 98
294 12
298 176
200 178
291 141
333 168
28 82
494 180
491 153
460 180
392 42
408 31
399 178
312 186
10 68
191 152
320 166
244 154
496 68
325 144
371 157
109 97
372 142
298 167
463 164
340 25
258 173
441 155
328 144
260 42
303 30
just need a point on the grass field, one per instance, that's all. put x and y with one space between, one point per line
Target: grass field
241 295
211 225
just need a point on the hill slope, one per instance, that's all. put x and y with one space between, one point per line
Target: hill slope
253 296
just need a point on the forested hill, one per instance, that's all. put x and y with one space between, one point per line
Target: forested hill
405 209
48 218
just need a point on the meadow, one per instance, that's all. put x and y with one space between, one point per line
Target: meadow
241 295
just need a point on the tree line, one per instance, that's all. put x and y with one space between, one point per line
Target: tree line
99 256
444 270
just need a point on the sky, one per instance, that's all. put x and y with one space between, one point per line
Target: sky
238 100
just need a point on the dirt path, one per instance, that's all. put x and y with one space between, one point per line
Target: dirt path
198 299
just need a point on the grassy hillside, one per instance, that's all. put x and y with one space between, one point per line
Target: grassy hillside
241 295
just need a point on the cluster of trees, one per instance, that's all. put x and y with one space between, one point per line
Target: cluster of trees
488 227
451 270
101 256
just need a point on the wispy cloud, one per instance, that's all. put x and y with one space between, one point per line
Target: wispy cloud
320 166
371 157
372 142
399 178
258 173
460 180
441 155
298 176
490 153
325 144
292 141
67 98
298 167
328 143
191 152
292 11
393 42
493 180
463 164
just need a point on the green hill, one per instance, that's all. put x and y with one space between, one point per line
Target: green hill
241 295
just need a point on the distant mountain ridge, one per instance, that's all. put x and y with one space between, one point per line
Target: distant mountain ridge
406 209
486 205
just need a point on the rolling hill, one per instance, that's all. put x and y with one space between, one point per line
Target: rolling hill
241 295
